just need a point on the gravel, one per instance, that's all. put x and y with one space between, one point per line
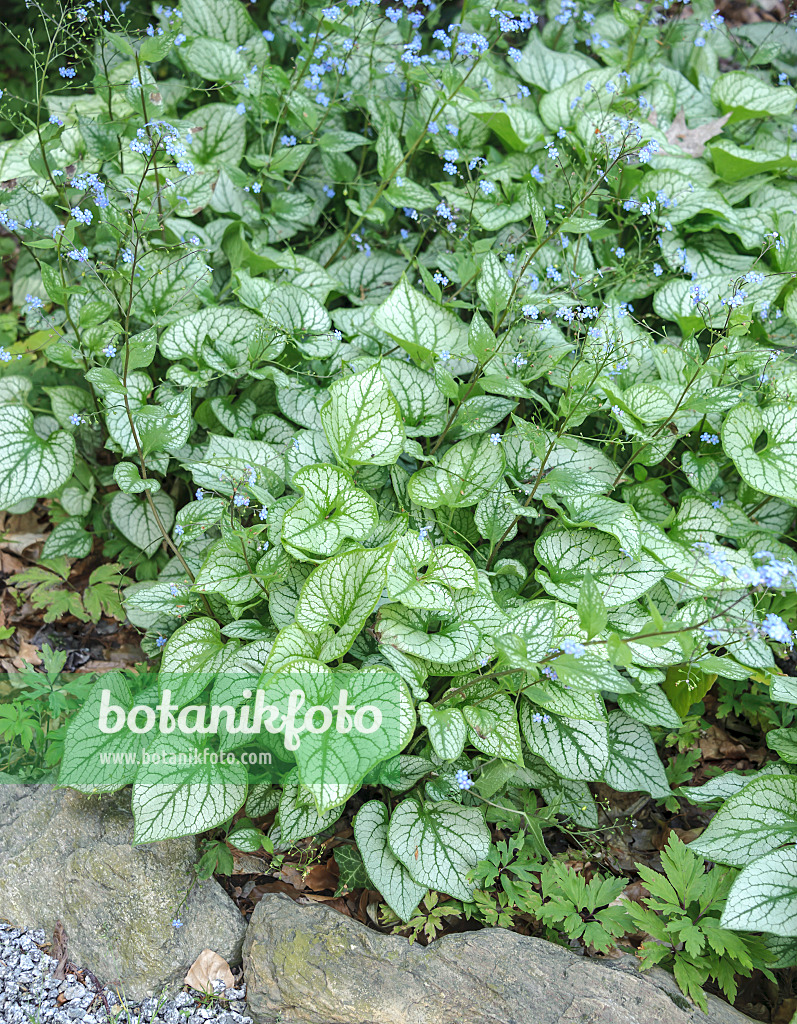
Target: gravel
29 994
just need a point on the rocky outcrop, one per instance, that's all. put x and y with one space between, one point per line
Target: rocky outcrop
308 964
68 857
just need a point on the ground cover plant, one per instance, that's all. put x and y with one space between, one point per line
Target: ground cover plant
441 353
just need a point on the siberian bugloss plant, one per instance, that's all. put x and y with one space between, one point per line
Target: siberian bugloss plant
438 352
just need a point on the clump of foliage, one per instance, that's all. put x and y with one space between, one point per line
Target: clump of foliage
682 916
436 350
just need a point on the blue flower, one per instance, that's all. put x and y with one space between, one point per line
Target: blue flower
34 301
775 628
76 419
240 109
177 923
495 438
161 642
487 187
67 72
200 494
573 647
463 779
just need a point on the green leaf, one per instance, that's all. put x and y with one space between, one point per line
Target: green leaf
334 761
219 136
96 761
362 420
633 763
330 510
216 19
591 609
401 893
68 539
228 573
493 285
342 593
464 475
30 466
155 48
420 326
134 519
763 897
492 723
423 575
439 844
191 659
183 799
129 479
749 96
298 817
422 404
575 750
763 446
403 630
447 730
759 818
570 554
218 337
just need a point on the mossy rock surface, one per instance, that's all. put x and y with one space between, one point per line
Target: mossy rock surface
68 857
308 964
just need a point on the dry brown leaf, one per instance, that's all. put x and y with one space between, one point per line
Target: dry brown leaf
717 744
17 543
288 873
257 892
692 141
207 968
321 877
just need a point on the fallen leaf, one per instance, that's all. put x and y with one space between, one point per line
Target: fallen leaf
290 874
17 543
268 888
335 902
717 744
321 877
692 141
59 951
207 968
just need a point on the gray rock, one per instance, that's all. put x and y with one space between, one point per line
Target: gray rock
308 964
68 857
